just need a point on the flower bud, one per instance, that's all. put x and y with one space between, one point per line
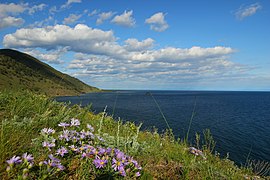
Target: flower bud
40 163
30 166
25 171
8 169
25 176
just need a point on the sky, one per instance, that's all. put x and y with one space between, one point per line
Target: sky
153 44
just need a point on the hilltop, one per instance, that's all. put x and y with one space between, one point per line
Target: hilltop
21 71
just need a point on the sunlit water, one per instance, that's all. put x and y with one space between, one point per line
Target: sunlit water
239 121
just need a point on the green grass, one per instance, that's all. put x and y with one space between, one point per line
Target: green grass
24 114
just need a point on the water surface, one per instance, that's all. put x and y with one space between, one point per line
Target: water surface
239 121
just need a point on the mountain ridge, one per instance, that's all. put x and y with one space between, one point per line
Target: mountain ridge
19 70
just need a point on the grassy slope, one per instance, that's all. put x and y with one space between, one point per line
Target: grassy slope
24 114
22 71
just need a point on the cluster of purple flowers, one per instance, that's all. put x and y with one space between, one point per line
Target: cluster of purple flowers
72 142
53 162
26 158
119 162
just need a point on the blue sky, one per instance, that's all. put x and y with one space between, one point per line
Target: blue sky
154 44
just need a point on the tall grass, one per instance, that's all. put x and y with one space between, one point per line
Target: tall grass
24 114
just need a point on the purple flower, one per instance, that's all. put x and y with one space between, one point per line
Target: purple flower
54 158
100 138
73 148
94 151
122 171
100 163
75 122
62 151
137 174
89 134
54 162
47 131
90 127
82 134
117 165
14 160
60 166
119 155
63 124
84 155
28 157
48 144
101 151
108 150
64 135
50 163
82 148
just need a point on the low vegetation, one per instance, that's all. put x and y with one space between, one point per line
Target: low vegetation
22 71
45 139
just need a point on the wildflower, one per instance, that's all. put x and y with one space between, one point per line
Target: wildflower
122 171
54 162
64 135
84 155
48 144
25 173
62 151
101 151
89 134
73 148
81 149
63 124
60 167
75 122
28 157
40 163
100 163
54 158
82 135
14 160
137 174
108 150
47 131
135 163
117 165
94 151
119 155
100 138
8 168
90 127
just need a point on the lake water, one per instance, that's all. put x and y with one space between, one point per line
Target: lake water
239 121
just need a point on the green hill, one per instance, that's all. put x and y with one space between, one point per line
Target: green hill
22 71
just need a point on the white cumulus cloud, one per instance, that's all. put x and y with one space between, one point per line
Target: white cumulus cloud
124 19
52 57
101 56
133 44
81 38
104 16
72 18
10 21
157 22
245 11
7 13
11 8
